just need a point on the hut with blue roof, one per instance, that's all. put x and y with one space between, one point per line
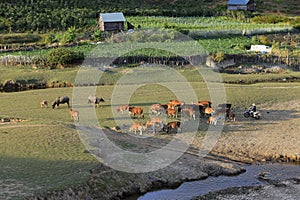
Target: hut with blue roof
111 21
241 5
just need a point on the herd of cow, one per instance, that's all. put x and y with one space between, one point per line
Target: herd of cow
200 109
66 100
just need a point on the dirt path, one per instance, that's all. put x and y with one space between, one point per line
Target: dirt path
275 137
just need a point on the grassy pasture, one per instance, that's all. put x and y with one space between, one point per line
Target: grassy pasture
44 152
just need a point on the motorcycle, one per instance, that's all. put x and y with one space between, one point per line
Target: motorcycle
255 115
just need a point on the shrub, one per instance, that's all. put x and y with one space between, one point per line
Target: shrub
264 40
98 35
218 57
63 57
50 38
70 36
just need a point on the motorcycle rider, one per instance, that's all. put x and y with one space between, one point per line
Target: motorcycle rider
252 109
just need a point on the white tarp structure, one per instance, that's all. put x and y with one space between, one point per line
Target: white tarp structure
261 48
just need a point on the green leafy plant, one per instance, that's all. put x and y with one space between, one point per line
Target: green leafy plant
70 36
63 57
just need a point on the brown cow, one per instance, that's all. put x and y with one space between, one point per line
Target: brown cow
172 112
173 125
204 103
122 108
215 119
137 127
136 111
231 116
176 103
157 109
212 120
154 122
43 103
167 105
74 115
208 111
186 111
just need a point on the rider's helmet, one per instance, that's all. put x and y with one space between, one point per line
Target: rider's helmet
253 104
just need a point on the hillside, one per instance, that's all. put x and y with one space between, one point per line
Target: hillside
45 15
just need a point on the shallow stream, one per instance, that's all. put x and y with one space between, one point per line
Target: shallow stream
188 190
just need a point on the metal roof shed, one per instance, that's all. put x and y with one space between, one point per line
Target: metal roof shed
111 21
241 5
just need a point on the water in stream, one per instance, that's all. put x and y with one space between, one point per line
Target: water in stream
188 190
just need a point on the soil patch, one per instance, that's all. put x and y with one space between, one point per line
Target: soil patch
273 138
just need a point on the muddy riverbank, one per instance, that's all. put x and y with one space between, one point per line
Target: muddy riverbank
107 183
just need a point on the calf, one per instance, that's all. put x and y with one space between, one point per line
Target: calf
122 108
154 122
173 125
157 109
231 116
215 119
137 127
188 112
95 100
136 111
43 103
171 112
208 111
74 115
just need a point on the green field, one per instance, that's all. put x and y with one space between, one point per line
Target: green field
44 151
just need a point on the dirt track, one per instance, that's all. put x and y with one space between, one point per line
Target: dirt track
276 137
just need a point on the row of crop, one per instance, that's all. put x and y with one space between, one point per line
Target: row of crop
202 23
43 16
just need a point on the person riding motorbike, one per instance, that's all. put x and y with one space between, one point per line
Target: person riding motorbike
252 109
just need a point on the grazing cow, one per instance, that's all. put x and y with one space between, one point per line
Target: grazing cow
204 103
74 115
43 103
208 111
215 119
172 112
231 116
122 108
61 100
186 111
136 111
173 125
202 106
137 127
95 100
154 122
157 109
212 120
176 103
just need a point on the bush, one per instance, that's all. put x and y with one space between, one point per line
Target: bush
63 57
264 40
50 38
218 57
70 36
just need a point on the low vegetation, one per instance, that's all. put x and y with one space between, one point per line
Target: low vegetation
44 152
